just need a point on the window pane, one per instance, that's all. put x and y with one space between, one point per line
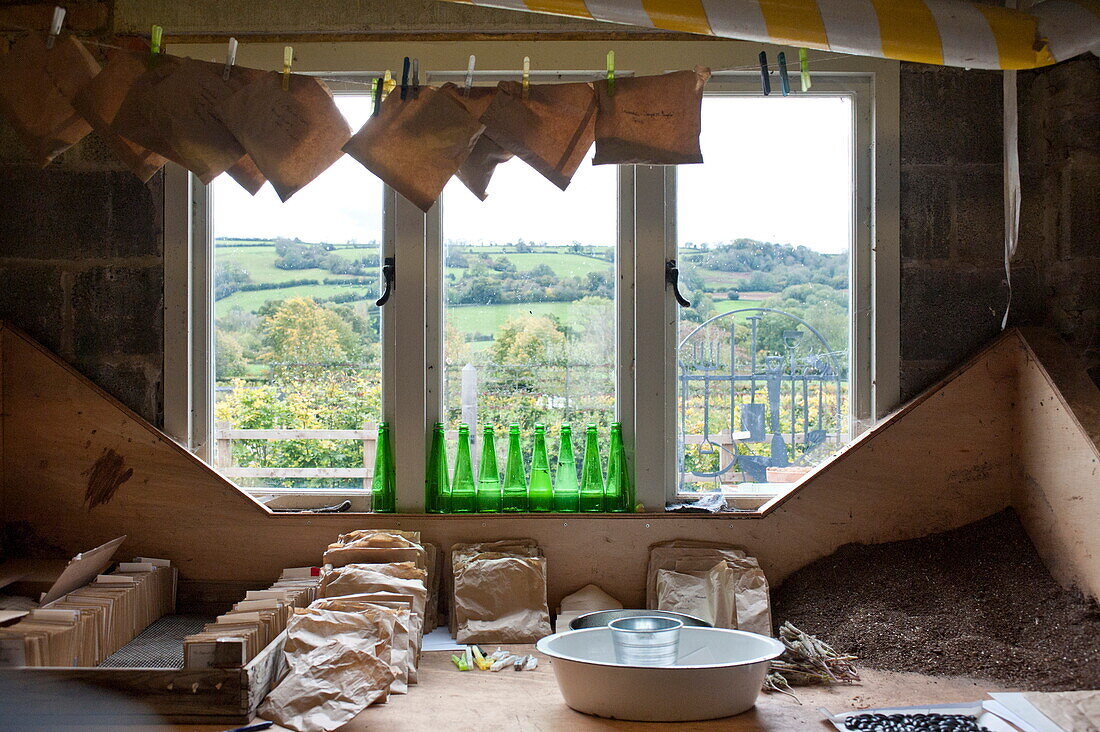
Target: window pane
297 332
764 234
529 292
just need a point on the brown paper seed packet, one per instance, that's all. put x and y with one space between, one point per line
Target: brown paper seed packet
415 145
247 175
99 100
479 167
37 85
650 120
292 135
551 130
170 109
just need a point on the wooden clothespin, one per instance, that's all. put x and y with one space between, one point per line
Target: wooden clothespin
377 91
406 66
469 77
610 73
765 82
784 79
416 78
526 82
55 26
288 60
155 36
230 58
804 69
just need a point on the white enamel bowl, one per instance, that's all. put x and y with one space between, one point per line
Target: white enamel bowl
717 673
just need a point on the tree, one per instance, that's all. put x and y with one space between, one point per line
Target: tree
228 278
228 356
300 332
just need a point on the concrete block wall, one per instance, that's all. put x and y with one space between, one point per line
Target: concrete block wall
81 266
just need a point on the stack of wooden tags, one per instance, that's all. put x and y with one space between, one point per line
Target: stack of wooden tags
235 638
88 624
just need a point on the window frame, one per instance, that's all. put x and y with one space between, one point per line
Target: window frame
645 356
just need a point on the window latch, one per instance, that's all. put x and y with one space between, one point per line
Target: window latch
388 270
672 277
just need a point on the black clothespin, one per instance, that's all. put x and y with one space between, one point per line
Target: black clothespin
416 78
405 79
784 80
377 96
765 82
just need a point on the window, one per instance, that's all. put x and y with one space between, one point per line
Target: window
529 297
764 234
297 334
545 306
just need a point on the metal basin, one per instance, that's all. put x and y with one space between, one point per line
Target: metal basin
601 618
717 673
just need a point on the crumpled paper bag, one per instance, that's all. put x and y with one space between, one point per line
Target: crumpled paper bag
376 548
334 674
752 599
416 144
651 120
483 160
170 110
551 130
37 85
708 595
99 100
293 136
501 598
463 553
393 633
355 579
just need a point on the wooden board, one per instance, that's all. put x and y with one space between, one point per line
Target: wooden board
62 696
942 461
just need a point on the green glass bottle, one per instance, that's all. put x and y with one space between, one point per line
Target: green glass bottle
383 485
565 479
437 486
463 491
540 494
514 495
488 475
617 496
592 485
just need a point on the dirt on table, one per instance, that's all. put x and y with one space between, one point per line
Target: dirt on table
976 601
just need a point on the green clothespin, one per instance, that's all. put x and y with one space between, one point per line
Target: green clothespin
610 73
288 59
804 69
154 43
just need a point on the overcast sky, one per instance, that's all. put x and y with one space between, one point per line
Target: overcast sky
777 169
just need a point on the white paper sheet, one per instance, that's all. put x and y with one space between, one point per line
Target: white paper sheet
440 640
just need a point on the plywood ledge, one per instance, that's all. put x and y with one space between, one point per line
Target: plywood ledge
998 359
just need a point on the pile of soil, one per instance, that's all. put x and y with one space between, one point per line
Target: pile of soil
976 601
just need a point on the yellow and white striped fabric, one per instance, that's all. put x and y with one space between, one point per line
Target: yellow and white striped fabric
944 32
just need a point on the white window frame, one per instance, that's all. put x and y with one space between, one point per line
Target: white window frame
645 356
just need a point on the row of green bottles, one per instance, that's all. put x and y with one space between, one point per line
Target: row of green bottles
488 494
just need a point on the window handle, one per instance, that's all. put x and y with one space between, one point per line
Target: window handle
672 277
388 270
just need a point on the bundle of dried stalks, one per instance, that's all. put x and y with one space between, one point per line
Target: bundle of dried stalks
807 661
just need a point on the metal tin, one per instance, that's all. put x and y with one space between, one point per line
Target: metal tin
601 618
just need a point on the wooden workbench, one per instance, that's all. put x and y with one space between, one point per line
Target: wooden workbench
448 699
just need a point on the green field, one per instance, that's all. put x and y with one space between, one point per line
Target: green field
564 265
487 319
251 301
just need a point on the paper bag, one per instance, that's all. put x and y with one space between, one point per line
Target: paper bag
587 599
650 120
99 100
551 130
479 167
293 136
416 144
393 627
37 85
500 598
334 672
